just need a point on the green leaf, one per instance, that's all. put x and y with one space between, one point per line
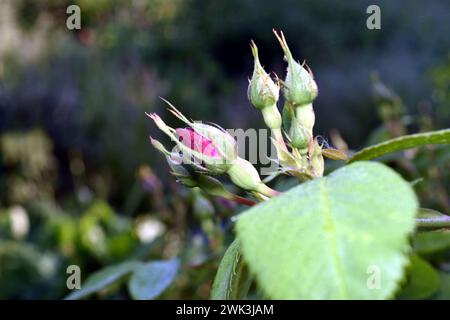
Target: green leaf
149 280
432 219
228 276
402 143
423 280
425 243
323 238
103 278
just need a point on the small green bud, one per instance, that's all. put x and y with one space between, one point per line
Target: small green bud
244 175
212 186
299 136
215 188
262 90
299 85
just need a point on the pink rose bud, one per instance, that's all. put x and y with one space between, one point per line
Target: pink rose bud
197 142
201 144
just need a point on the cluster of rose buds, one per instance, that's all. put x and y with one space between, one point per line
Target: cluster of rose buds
301 154
204 150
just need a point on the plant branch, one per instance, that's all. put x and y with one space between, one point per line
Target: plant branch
244 201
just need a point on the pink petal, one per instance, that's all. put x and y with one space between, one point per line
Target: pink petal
196 142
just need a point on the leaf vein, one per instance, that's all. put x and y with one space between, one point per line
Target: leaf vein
331 235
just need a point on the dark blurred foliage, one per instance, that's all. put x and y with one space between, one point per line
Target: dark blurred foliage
74 135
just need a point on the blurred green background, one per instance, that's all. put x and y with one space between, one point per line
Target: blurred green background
79 182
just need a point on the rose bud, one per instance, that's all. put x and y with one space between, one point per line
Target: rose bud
217 151
264 93
299 136
244 175
299 85
193 177
300 89
210 147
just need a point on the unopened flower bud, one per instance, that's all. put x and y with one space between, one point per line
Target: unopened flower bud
299 85
264 94
193 177
244 175
210 146
212 186
214 147
196 142
262 90
299 136
215 188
